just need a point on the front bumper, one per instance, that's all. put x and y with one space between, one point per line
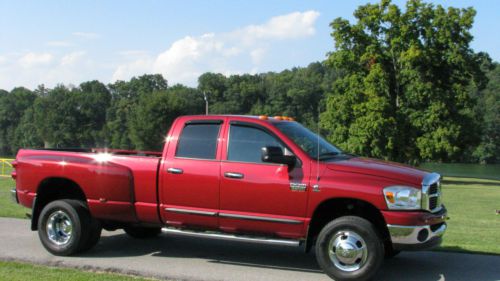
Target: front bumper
420 237
13 195
416 230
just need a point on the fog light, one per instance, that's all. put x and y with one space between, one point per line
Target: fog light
422 235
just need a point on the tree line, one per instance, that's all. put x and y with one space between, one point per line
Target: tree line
399 85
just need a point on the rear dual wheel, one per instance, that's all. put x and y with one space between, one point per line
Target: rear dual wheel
65 227
349 248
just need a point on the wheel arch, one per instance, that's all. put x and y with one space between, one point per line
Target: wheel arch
333 208
51 189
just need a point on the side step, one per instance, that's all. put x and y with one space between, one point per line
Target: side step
231 237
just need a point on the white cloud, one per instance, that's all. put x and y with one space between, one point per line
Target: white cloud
86 35
135 68
59 44
72 58
238 51
32 69
290 26
133 53
35 59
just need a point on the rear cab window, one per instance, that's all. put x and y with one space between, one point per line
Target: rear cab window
198 140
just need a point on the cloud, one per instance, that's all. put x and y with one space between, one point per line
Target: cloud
290 26
31 69
35 59
72 58
59 44
234 52
86 35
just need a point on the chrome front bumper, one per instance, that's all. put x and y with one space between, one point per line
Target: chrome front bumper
13 195
416 237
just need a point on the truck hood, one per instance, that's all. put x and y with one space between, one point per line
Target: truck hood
391 170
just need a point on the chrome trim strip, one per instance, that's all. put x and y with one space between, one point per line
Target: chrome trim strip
257 218
260 240
404 234
13 195
191 212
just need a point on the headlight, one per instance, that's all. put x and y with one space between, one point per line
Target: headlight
400 197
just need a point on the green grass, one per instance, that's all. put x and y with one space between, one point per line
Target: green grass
15 271
474 225
7 207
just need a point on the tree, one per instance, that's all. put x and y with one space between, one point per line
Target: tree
405 93
488 150
12 108
154 113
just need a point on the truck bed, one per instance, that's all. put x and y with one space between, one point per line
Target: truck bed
118 185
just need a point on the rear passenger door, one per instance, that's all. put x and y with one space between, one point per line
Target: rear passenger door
189 192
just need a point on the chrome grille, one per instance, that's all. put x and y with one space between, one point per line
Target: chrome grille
431 192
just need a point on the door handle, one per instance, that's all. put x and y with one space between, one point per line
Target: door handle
233 175
175 171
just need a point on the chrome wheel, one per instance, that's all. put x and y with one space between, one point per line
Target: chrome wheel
347 250
59 228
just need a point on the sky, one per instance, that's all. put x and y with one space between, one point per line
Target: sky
69 42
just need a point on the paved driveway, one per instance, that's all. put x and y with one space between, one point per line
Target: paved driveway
184 258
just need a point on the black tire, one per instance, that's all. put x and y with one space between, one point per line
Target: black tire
346 232
95 229
391 253
94 235
139 232
70 240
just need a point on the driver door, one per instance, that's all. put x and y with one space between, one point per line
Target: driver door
256 196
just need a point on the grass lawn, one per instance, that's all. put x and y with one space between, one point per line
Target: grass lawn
7 207
474 225
15 271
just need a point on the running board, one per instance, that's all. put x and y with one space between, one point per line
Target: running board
231 237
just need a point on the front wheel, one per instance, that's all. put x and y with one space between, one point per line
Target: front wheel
348 248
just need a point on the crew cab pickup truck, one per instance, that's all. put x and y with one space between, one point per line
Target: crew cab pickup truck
248 178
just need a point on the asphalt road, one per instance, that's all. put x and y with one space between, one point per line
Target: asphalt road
184 258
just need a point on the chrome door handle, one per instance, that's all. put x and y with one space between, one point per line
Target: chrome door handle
233 175
175 171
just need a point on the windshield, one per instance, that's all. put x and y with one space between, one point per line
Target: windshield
308 140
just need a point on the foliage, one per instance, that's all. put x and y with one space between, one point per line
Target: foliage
406 91
489 104
400 84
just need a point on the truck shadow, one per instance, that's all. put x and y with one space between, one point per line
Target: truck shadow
427 265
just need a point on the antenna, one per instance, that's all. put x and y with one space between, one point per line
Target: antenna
206 102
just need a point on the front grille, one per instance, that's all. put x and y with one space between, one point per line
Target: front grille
433 201
433 189
431 192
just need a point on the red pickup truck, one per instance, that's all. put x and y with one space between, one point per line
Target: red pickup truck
247 178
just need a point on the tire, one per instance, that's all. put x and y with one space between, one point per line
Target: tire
94 235
391 253
142 232
95 229
364 249
69 222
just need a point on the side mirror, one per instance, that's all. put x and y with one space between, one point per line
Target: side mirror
274 154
